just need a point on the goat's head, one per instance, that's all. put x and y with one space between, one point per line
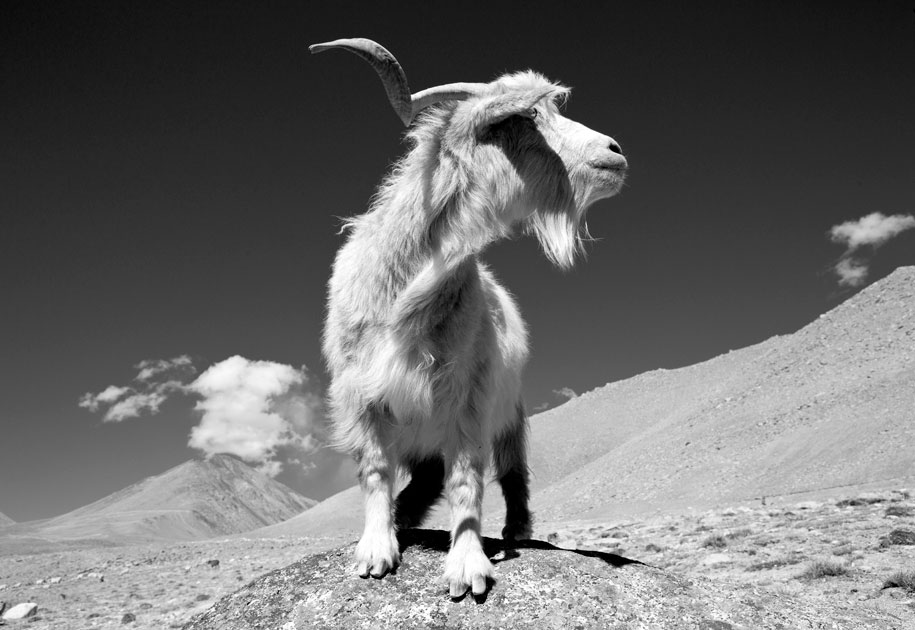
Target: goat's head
505 149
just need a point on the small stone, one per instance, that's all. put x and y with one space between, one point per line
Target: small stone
54 580
213 563
21 611
128 618
716 558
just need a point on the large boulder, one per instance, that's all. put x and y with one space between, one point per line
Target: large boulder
537 585
21 611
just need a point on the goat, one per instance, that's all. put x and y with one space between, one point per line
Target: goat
425 348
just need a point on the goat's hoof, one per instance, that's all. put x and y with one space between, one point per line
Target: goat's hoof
377 554
468 568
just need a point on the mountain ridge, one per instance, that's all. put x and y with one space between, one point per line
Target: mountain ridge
194 500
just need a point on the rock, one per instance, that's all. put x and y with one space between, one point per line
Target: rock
213 563
537 585
128 618
898 537
716 558
21 611
54 580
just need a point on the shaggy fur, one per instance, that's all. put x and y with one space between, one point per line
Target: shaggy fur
424 346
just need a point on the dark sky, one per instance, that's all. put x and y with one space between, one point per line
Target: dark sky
172 174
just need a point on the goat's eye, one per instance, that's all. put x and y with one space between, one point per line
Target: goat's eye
533 113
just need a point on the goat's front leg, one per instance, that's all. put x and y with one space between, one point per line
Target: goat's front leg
377 551
466 564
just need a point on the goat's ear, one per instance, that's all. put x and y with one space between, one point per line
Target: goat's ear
494 109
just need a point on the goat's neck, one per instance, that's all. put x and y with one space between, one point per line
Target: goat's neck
433 219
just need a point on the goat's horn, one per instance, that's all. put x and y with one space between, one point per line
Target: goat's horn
450 92
384 63
395 80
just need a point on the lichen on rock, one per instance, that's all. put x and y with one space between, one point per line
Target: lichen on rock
537 585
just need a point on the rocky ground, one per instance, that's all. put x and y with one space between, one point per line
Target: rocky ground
146 586
857 550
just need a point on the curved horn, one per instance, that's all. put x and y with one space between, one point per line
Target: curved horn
450 92
387 67
395 79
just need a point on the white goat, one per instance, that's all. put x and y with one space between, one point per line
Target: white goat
425 348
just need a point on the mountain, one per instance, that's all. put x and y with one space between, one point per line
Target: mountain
5 520
830 405
194 500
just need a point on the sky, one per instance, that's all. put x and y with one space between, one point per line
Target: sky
173 176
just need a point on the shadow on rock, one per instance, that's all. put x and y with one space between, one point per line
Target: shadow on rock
497 549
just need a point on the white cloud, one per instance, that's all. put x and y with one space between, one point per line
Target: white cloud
566 392
153 367
851 271
270 468
252 408
134 405
874 229
128 402
107 396
263 412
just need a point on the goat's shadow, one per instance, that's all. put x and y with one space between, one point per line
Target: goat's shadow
499 550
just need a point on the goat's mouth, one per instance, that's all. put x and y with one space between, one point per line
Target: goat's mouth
616 165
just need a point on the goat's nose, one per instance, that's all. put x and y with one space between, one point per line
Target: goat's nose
614 146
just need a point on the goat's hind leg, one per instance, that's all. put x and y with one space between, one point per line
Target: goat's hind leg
427 480
378 551
510 462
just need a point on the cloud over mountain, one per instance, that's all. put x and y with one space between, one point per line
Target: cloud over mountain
261 411
875 229
252 408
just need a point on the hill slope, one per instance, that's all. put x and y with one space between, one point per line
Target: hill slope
832 404
194 500
5 520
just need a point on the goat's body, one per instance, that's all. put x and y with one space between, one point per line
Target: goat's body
464 366
425 348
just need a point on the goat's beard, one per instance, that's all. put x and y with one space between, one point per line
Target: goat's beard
561 234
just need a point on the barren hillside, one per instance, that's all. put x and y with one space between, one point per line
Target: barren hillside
830 405
5 520
195 500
